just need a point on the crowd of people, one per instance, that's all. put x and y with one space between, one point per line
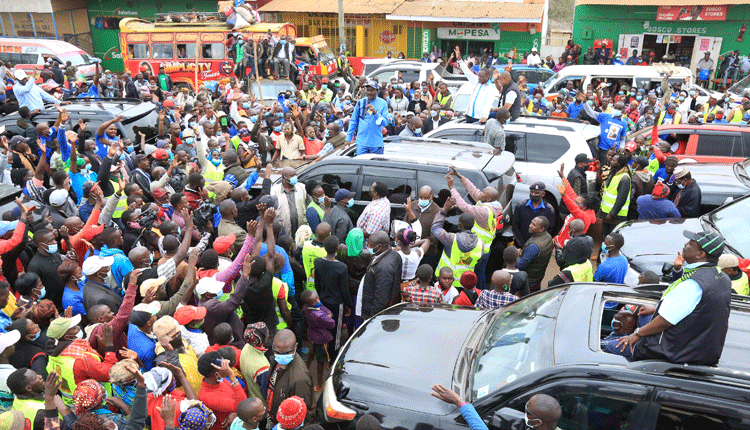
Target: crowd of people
172 283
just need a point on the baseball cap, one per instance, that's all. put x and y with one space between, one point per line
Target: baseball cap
149 149
6 226
324 80
728 260
20 75
8 339
185 314
372 84
222 243
343 194
680 172
58 197
161 154
138 158
149 308
220 113
708 241
209 285
59 326
580 158
641 161
270 201
168 103
660 191
188 133
538 186
631 146
95 263
148 284
159 192
161 143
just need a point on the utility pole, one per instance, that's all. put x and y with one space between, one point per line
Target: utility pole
342 31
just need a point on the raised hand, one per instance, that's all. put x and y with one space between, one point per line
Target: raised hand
252 227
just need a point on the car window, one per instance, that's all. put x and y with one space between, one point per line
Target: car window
720 144
545 148
685 411
402 184
588 405
342 176
436 181
384 76
515 142
564 83
410 76
460 134
186 50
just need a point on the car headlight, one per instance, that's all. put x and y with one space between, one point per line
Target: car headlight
335 410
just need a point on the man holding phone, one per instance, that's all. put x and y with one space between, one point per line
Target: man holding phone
367 122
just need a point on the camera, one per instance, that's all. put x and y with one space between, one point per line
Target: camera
146 218
203 215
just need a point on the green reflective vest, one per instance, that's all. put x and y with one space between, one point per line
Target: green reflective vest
28 407
63 366
460 262
321 212
486 235
310 252
277 285
741 286
610 196
582 272
214 173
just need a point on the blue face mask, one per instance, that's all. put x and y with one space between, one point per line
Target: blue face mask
604 247
293 180
283 42
215 162
681 98
616 112
277 129
371 251
189 140
726 99
324 86
589 102
42 293
612 324
680 186
280 114
351 203
254 118
638 97
316 305
417 132
326 133
692 93
424 203
284 359
246 105
87 167
36 336
52 248
621 93
130 148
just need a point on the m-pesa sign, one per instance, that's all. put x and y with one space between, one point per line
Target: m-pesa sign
468 33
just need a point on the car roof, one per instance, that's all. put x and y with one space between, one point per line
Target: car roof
440 152
741 128
525 124
615 70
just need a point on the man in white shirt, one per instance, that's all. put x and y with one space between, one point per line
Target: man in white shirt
534 59
482 95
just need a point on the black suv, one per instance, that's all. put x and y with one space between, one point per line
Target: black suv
410 163
548 342
96 111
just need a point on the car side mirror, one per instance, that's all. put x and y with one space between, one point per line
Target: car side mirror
666 268
507 418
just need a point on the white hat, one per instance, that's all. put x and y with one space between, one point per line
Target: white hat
209 285
728 260
58 197
152 308
151 283
95 263
149 149
534 50
20 75
8 339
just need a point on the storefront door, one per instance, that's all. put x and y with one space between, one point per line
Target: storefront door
703 44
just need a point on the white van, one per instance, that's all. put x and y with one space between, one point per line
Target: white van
26 54
646 77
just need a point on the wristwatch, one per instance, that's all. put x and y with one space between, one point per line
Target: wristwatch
637 332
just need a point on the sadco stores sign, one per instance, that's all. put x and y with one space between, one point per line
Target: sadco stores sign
468 33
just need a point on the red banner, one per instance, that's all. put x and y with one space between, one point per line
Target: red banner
691 13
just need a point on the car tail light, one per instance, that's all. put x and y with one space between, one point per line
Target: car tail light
335 410
518 178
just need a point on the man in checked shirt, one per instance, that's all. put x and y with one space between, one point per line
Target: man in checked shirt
499 295
377 214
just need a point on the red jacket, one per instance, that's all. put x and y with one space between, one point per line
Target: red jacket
588 216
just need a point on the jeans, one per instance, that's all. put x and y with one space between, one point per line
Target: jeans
730 71
262 66
281 63
368 150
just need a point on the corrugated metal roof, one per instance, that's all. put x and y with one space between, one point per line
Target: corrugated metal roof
328 6
440 10
660 2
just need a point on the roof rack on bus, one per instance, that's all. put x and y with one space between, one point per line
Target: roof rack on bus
190 17
664 367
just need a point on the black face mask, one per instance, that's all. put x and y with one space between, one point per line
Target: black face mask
535 199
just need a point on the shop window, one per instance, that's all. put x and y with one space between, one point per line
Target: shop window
212 50
138 51
163 51
186 50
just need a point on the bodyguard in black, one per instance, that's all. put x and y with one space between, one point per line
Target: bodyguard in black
691 320
527 210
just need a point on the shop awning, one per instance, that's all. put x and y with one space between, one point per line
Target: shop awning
476 11
327 6
660 2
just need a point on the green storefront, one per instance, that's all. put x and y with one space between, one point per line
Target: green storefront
686 32
105 16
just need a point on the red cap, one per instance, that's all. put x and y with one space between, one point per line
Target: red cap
168 103
631 146
291 413
469 279
91 231
324 80
222 243
651 54
159 192
185 314
160 154
660 191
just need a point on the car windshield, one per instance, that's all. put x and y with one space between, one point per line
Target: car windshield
544 84
75 58
731 221
518 341
741 85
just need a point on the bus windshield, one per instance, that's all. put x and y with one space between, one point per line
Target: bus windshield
76 58
324 52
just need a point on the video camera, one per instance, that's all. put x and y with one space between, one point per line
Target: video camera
203 215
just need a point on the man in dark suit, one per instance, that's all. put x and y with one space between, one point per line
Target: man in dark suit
434 121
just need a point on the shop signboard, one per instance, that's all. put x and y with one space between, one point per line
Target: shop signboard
461 33
426 40
692 13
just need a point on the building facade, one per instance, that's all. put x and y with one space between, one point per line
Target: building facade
47 19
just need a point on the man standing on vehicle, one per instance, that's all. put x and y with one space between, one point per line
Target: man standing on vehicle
494 134
165 81
482 95
703 69
283 57
690 322
29 94
613 127
615 195
368 119
510 95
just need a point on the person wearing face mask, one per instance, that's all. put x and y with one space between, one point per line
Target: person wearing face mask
413 128
616 194
71 356
686 194
527 210
29 352
623 324
289 377
337 216
45 262
614 265
292 198
435 120
381 285
613 127
316 209
96 290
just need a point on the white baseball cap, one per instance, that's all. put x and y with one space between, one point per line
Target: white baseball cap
209 285
8 339
149 149
96 263
58 197
20 75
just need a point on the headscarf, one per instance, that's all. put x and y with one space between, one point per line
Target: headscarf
304 233
355 241
43 312
157 380
196 417
88 395
256 335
